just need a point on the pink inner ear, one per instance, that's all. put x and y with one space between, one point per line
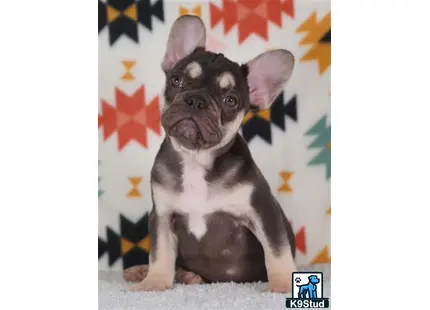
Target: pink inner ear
187 33
170 60
267 75
257 92
175 52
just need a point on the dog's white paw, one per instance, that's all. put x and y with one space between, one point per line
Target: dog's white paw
135 273
280 284
154 282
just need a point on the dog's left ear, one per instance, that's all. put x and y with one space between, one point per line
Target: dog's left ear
267 75
187 33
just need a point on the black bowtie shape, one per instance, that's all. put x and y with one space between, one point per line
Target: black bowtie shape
260 123
132 244
123 16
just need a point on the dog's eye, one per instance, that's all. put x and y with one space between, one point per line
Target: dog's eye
176 80
230 101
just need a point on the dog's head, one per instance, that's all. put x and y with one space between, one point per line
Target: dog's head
314 279
206 94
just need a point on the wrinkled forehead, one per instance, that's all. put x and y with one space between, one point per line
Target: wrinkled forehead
215 68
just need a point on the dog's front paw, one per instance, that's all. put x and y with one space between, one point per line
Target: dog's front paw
280 284
154 282
136 273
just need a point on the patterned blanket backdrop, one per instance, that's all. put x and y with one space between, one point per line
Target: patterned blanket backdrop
290 141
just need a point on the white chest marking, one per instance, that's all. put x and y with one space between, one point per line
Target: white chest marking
194 200
195 189
199 198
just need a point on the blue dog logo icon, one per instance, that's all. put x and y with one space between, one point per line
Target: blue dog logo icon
309 290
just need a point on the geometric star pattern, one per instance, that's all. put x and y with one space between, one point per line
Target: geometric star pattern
322 142
131 118
260 123
318 34
122 17
250 16
132 243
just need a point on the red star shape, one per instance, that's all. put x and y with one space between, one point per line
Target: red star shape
250 16
131 118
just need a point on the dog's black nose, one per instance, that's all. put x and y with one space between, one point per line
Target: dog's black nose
196 101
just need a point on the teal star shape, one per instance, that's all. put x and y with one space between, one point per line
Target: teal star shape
322 131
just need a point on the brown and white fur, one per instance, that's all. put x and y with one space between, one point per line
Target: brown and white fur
214 217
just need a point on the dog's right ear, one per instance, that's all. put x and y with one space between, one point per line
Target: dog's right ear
188 32
267 74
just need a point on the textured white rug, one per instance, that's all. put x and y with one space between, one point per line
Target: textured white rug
113 294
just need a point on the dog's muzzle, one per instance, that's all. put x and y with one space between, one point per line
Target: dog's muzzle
197 101
193 119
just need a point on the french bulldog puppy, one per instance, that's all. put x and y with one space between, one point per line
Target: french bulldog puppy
214 217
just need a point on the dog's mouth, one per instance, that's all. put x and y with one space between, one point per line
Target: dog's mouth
195 133
187 129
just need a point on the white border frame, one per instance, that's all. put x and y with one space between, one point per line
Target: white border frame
48 167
